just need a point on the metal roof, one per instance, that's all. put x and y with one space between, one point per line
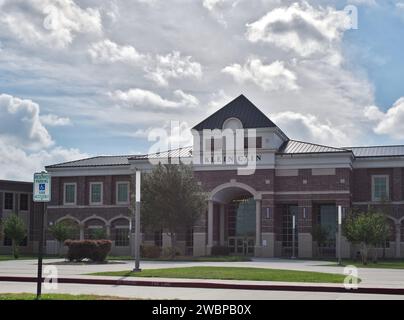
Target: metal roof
99 161
181 153
299 147
241 108
377 151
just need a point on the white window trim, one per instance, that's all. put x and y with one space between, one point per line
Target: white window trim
75 193
101 196
387 186
116 192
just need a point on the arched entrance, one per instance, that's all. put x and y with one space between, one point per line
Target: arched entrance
234 219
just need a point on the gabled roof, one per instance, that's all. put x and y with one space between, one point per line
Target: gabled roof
377 151
99 161
300 147
241 108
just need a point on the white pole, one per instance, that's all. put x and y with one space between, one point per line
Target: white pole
339 233
137 222
293 235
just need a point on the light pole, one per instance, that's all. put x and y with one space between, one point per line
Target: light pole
293 235
137 223
339 234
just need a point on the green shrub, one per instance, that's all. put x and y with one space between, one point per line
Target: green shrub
150 251
220 251
171 252
95 250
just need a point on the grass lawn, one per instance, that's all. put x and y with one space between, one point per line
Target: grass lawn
30 296
233 273
24 257
187 258
382 264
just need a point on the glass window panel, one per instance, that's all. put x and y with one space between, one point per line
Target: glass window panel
96 193
70 193
123 192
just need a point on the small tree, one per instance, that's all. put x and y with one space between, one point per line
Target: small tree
62 231
368 229
320 235
15 229
172 200
98 234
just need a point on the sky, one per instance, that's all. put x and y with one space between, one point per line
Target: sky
93 77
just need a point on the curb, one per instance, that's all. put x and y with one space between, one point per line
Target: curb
213 285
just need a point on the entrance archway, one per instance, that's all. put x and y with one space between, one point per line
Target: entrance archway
234 219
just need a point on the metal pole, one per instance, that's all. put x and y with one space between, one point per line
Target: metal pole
339 234
40 251
137 223
293 236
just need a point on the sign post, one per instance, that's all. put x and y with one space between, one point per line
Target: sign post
42 187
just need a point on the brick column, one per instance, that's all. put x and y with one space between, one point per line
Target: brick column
304 228
345 245
258 241
210 227
222 227
267 226
398 240
199 236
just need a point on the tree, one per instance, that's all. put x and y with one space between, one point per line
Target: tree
172 200
368 229
15 229
62 231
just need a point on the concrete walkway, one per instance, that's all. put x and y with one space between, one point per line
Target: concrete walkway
371 277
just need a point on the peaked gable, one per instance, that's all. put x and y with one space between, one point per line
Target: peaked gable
240 108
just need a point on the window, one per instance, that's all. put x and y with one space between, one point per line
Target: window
96 193
23 202
8 201
258 142
122 192
121 236
70 193
7 242
380 188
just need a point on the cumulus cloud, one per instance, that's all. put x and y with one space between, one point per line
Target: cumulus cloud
297 125
20 123
301 28
141 98
389 122
173 66
274 76
107 51
53 120
25 144
159 68
47 22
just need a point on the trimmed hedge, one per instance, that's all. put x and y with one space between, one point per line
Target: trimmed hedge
95 250
220 251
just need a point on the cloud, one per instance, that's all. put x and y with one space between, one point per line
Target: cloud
173 66
25 144
20 123
159 68
53 120
147 99
274 76
301 28
296 125
389 122
54 24
107 51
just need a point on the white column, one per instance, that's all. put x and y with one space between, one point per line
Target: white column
222 216
257 224
210 226
81 226
398 240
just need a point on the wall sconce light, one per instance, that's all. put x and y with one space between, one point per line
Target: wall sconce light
304 212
